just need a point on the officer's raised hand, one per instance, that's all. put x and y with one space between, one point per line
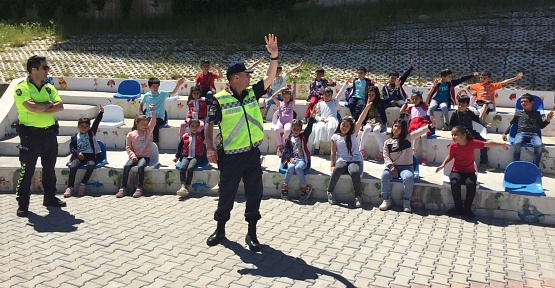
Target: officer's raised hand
271 44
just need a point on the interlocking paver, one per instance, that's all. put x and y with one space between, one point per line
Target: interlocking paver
325 255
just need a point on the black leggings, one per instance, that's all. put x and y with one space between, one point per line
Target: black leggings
186 170
141 164
89 159
457 179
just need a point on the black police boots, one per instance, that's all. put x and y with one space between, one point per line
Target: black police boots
217 236
251 239
22 212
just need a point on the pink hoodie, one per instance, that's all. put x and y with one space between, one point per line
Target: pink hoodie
137 143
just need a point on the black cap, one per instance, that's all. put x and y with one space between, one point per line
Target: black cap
237 67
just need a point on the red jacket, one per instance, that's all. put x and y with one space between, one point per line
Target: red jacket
199 106
186 140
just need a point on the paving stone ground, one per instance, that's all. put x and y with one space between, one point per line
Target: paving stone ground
159 241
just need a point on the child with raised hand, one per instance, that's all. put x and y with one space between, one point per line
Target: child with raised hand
375 122
285 114
206 80
418 119
198 109
442 94
191 146
398 158
278 83
84 148
317 87
137 145
326 116
345 156
485 92
463 171
296 156
393 93
158 98
463 116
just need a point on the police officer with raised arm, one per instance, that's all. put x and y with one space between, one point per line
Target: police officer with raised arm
236 111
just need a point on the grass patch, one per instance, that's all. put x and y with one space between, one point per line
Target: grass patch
19 34
307 25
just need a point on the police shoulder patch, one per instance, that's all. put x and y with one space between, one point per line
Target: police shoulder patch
18 92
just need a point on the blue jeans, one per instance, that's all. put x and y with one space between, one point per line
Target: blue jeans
355 106
406 173
298 168
270 102
531 138
444 110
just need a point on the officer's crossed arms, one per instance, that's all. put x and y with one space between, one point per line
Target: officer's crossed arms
43 107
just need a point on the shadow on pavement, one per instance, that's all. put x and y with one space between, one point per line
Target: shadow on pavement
57 220
273 263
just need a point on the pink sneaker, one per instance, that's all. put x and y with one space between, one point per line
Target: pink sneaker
121 193
138 193
81 191
424 162
363 154
379 156
67 193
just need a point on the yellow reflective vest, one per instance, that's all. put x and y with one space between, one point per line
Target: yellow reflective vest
241 123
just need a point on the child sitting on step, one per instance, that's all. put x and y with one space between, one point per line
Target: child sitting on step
296 156
326 115
345 156
198 109
375 122
417 119
84 148
158 98
398 158
191 146
285 114
137 145
463 172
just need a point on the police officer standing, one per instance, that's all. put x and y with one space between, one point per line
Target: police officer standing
237 113
36 102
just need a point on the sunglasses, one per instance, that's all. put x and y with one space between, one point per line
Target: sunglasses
45 68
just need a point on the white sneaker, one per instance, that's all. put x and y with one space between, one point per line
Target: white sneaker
182 192
216 189
385 204
406 206
358 202
331 199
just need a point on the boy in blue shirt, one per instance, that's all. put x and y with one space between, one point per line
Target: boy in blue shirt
442 94
360 87
158 98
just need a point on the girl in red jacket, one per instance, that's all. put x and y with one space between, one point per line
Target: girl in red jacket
191 146
198 109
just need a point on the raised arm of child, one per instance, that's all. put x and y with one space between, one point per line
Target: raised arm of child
274 96
296 68
510 80
97 120
152 122
432 91
362 116
341 92
294 92
256 63
220 75
179 83
404 108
